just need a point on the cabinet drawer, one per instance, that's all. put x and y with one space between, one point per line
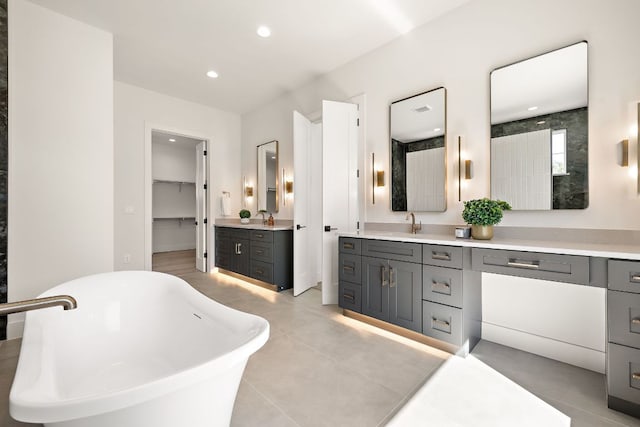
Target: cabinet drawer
261 236
442 285
261 271
559 268
262 251
350 296
623 372
623 318
350 268
442 322
349 245
232 233
399 251
624 276
442 256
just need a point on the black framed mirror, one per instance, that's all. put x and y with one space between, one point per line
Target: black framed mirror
417 126
539 131
267 183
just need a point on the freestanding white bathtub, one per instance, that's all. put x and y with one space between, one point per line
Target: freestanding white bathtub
141 349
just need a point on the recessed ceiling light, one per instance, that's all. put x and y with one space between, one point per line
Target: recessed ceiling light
263 31
436 130
212 74
541 122
534 108
172 140
273 157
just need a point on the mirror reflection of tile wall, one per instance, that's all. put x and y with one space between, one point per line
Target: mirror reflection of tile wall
546 92
418 152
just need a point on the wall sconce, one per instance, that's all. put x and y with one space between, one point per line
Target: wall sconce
247 190
287 188
467 167
377 177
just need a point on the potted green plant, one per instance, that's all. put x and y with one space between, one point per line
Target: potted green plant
244 216
482 215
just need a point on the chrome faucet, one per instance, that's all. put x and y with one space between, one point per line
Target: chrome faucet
414 227
66 301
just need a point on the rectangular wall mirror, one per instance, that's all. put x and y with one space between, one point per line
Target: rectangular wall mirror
418 152
268 176
539 131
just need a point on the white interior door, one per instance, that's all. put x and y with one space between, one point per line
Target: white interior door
302 268
339 188
201 206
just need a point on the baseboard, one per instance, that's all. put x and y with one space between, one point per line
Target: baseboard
572 354
173 247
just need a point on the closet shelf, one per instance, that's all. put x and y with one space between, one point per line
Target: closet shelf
179 218
168 181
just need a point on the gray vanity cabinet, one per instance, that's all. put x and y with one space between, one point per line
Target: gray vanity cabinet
232 250
350 274
264 255
392 288
623 348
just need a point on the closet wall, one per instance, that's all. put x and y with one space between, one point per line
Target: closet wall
174 193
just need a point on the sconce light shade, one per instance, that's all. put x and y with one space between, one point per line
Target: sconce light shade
288 187
624 153
248 191
467 169
379 178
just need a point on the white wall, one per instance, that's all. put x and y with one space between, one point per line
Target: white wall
134 109
458 51
60 151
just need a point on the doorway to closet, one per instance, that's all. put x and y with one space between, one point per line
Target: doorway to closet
178 203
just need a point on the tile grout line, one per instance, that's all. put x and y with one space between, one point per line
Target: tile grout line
265 397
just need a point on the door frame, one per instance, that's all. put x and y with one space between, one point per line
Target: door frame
148 187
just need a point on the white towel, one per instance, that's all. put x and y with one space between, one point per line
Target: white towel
226 204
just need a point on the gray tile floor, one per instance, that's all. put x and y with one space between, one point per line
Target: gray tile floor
321 369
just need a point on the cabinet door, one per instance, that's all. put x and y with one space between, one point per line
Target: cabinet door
241 259
405 295
375 288
224 251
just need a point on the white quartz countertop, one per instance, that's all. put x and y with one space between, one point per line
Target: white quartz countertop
595 249
252 226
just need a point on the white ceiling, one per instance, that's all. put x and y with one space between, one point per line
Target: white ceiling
555 81
159 137
168 46
417 118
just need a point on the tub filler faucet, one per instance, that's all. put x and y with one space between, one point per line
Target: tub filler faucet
414 228
67 302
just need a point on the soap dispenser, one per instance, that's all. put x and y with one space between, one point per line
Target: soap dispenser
271 222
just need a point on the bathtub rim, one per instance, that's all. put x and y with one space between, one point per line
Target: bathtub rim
50 410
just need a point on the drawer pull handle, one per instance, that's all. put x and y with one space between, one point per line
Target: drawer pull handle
349 297
260 252
635 321
259 271
392 278
635 376
441 256
442 322
534 265
441 284
635 277
259 236
347 268
348 246
382 278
